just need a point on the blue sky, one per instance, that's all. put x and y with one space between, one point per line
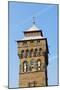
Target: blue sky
20 19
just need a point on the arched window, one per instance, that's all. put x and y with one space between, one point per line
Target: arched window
40 49
22 53
26 53
25 66
35 52
31 53
32 65
38 64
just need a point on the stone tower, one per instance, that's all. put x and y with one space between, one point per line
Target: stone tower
33 56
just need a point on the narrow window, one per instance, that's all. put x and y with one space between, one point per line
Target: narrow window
40 49
27 53
35 52
31 53
38 65
25 67
31 65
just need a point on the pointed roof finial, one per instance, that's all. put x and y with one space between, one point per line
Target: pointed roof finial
33 20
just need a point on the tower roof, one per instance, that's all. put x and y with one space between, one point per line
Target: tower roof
33 28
